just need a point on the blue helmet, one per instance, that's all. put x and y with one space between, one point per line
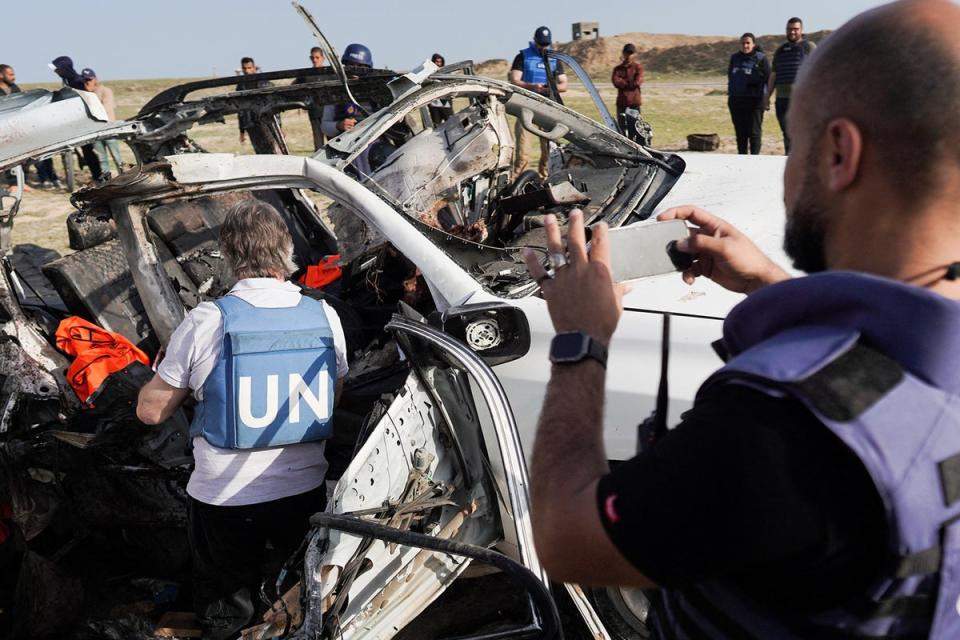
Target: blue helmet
357 54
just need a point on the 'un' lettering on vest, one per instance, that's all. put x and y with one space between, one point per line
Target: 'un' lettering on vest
297 390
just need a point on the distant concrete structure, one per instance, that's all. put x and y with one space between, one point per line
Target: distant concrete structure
586 30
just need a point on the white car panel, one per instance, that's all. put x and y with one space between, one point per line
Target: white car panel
746 191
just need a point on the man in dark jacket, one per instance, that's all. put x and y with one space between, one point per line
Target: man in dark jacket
746 86
810 492
317 62
63 67
246 119
627 78
787 60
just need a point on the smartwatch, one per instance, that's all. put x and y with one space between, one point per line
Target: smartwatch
571 347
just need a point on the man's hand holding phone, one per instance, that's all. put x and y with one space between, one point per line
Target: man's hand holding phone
723 253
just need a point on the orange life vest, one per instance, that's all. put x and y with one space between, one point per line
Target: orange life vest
98 352
319 275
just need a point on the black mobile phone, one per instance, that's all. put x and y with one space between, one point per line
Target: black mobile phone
647 249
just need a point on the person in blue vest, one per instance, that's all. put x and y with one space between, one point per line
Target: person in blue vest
343 117
529 72
340 118
787 61
746 87
264 364
813 489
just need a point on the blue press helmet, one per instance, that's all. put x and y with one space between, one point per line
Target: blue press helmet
357 54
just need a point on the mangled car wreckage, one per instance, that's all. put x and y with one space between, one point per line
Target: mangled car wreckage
428 457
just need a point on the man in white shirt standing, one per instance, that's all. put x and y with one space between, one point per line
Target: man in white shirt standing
265 364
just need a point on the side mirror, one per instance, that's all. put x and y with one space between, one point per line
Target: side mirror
495 331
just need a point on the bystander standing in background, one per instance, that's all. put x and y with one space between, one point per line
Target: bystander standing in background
8 80
108 150
746 87
246 119
8 85
440 109
529 72
787 60
317 61
344 117
627 78
63 67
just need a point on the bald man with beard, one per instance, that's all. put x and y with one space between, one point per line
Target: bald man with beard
813 490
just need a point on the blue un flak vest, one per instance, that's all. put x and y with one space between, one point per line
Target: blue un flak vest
533 69
878 363
273 382
745 79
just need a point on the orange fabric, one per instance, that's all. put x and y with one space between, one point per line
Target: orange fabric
98 354
319 275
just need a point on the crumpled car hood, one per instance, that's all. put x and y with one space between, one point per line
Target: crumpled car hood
37 123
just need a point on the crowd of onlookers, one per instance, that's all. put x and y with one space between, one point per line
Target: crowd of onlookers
96 156
753 78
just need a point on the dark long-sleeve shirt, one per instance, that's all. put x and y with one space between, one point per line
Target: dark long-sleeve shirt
627 78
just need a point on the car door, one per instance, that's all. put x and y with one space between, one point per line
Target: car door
633 371
443 458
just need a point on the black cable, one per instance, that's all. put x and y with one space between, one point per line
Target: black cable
663 394
539 594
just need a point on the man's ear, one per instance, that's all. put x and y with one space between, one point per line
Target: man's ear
843 150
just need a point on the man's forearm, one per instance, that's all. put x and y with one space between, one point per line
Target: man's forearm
568 453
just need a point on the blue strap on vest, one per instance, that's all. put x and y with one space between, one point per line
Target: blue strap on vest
901 420
533 69
273 382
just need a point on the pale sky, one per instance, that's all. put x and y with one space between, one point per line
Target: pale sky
127 39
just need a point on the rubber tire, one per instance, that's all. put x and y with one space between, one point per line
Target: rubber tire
616 617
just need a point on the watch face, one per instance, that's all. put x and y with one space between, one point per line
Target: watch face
567 346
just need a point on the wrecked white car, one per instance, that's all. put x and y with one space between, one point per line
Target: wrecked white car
429 451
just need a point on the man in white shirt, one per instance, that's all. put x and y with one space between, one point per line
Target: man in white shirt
242 493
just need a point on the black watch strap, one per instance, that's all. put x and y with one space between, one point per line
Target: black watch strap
571 347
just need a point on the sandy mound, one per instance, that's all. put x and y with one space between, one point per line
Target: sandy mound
710 57
602 54
661 52
495 68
